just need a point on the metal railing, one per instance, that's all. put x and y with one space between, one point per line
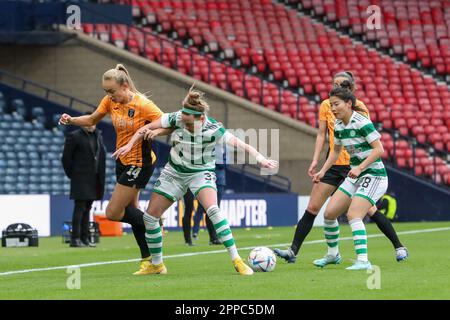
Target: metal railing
25 85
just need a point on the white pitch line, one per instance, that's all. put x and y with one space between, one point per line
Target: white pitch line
93 264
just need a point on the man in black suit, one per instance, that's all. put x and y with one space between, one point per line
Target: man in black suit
84 159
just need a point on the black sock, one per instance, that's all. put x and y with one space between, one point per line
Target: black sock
135 217
139 235
386 227
303 228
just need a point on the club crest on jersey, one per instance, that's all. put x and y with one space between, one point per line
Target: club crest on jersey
131 113
352 133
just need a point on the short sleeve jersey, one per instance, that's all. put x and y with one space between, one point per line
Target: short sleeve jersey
127 119
356 138
194 152
326 115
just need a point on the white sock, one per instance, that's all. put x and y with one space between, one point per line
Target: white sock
331 230
359 239
153 236
223 230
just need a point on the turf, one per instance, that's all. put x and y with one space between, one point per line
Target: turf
211 276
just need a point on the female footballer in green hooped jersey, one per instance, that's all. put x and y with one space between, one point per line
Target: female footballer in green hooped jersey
367 180
191 165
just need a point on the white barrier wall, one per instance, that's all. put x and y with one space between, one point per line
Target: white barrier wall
303 203
30 209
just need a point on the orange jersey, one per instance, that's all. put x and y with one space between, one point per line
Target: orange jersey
127 119
326 115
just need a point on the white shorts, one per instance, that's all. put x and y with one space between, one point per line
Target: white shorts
367 187
173 184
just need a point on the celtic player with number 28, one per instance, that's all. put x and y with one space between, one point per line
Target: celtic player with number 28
191 165
367 180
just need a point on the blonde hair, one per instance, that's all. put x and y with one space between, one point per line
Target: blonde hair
121 75
194 100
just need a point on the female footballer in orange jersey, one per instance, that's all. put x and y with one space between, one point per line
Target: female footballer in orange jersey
333 178
129 110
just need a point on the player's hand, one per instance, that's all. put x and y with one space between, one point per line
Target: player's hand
354 173
121 151
312 169
65 119
319 175
269 164
150 134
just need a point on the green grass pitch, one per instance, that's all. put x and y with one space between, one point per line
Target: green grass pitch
210 275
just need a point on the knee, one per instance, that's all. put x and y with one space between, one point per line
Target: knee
114 213
372 210
352 215
328 216
313 208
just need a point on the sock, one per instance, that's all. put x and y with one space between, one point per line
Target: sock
385 225
359 238
134 216
223 230
139 235
331 230
303 228
154 238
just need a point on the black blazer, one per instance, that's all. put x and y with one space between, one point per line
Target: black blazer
80 163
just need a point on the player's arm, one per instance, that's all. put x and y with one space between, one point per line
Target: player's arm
376 153
138 136
152 134
332 158
235 142
85 121
320 142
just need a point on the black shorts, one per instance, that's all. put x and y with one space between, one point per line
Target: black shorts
335 175
133 176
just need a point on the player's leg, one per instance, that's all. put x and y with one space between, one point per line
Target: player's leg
139 235
168 189
385 225
369 191
319 194
153 234
208 199
339 203
356 213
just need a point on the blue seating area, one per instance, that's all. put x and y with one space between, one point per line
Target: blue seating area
31 147
30 151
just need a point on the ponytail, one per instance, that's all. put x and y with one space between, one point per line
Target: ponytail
350 83
194 100
121 75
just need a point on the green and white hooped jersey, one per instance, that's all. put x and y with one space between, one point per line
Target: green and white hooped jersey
356 138
194 152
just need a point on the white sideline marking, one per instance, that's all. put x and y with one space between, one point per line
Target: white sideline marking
93 264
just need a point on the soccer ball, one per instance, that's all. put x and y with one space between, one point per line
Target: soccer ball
262 259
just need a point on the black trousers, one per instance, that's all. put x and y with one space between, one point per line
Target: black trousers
188 208
80 219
